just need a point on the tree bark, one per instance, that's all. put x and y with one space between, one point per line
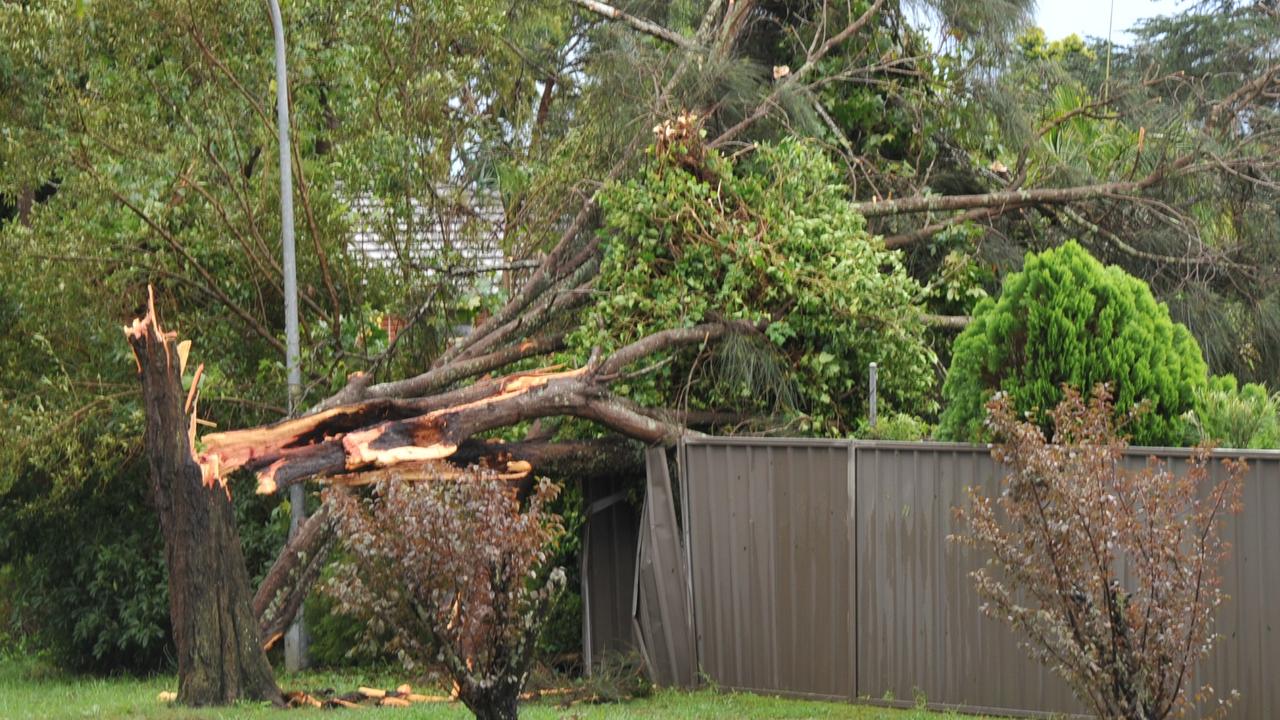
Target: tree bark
220 657
499 701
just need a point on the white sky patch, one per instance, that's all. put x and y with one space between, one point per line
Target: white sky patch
1090 18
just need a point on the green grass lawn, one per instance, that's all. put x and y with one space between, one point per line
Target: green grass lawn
22 697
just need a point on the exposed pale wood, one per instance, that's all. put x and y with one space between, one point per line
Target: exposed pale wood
388 432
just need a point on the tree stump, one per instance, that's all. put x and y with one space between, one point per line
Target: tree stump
220 655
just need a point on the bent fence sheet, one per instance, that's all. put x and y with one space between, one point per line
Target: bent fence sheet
822 568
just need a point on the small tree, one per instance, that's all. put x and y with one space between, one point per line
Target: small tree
453 569
1068 516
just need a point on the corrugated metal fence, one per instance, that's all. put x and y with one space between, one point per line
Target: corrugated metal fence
822 568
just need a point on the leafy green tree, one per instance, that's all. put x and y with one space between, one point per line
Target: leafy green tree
1065 319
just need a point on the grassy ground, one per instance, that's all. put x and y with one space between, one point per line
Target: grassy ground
23 698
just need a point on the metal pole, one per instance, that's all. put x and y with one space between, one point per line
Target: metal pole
295 642
871 395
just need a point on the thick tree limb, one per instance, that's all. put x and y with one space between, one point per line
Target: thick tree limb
947 322
388 431
994 203
580 460
358 388
668 338
1006 200
557 265
1229 108
280 595
571 292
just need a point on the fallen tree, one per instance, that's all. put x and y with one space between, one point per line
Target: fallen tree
650 361
221 635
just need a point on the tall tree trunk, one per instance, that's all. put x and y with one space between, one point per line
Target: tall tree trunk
220 656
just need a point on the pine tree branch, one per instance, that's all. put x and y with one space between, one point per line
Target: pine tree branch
637 23
794 79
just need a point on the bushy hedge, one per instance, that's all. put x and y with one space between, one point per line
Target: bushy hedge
1067 319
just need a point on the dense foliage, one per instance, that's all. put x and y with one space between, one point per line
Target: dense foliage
1065 319
1068 516
454 569
1236 416
772 239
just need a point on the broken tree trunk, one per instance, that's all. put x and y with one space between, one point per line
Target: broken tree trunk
220 656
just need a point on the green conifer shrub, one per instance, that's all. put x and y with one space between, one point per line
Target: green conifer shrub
1065 319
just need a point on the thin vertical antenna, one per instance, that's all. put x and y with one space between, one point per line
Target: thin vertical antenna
1106 82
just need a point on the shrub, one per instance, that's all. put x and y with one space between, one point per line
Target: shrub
86 580
1070 514
456 570
1067 319
1234 416
897 426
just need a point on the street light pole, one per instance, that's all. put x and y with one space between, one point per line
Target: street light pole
295 642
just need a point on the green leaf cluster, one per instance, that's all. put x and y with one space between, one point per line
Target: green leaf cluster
772 239
1065 319
1236 416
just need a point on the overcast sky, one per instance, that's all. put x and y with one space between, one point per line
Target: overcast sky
1060 18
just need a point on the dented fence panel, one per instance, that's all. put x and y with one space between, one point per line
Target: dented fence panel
770 526
822 568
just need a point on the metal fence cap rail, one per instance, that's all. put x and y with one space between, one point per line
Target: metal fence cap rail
936 445
749 441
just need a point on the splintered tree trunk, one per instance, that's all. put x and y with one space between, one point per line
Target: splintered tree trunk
220 656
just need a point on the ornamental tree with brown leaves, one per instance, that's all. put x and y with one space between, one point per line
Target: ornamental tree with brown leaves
1068 517
453 569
